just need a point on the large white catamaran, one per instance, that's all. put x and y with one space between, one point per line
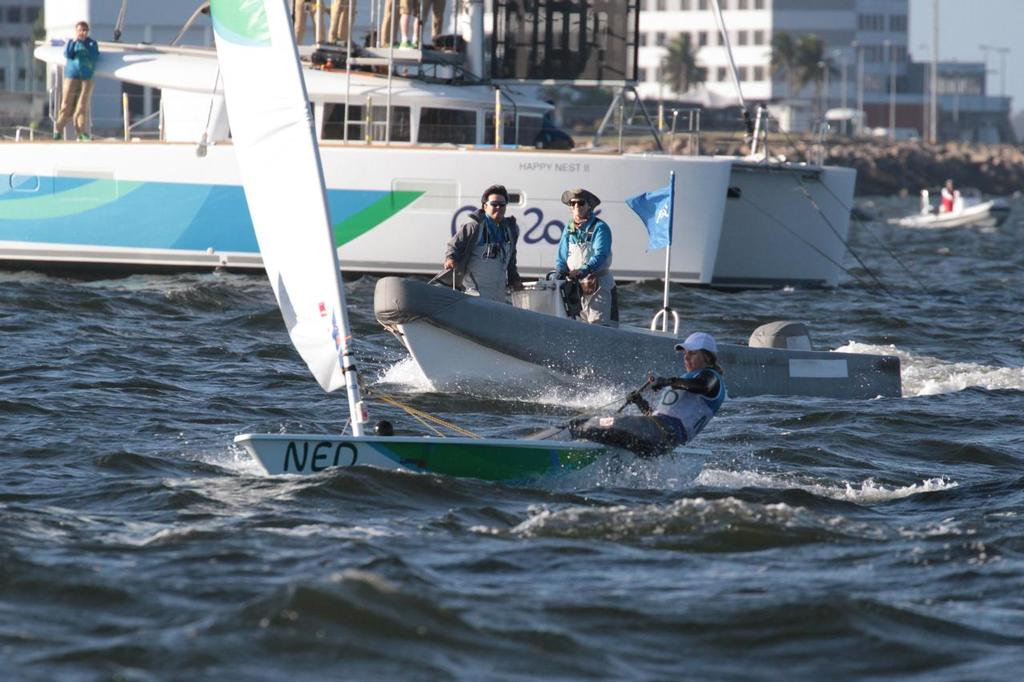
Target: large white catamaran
424 147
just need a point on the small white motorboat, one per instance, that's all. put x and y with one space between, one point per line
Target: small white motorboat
969 209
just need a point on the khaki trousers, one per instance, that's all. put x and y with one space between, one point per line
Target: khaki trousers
340 20
301 9
75 99
436 9
410 7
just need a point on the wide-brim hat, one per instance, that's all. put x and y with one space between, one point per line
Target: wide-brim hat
699 341
580 193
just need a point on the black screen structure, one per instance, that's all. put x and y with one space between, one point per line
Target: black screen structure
584 42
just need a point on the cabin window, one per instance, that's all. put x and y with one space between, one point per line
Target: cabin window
529 129
508 130
447 125
24 183
334 122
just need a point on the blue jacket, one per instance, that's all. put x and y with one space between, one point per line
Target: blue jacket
82 56
594 230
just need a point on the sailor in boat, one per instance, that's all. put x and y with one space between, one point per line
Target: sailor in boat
585 256
482 254
947 198
684 407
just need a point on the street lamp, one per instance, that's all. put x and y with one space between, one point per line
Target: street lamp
892 89
823 97
842 59
1002 64
1002 69
860 85
924 95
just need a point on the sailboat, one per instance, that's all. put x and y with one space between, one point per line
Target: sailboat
272 126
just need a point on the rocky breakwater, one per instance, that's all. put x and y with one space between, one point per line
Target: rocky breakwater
902 167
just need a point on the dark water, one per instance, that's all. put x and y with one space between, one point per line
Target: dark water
821 540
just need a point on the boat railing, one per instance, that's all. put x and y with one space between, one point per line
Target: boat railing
18 133
130 128
817 151
617 109
691 136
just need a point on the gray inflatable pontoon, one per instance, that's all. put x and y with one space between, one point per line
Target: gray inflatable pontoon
459 340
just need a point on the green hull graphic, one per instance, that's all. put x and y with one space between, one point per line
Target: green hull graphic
491 462
373 215
88 197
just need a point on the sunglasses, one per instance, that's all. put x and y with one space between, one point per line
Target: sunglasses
497 204
577 203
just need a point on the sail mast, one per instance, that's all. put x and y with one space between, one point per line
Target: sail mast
273 133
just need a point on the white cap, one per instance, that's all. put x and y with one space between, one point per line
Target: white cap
699 341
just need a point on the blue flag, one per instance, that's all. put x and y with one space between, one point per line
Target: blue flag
655 209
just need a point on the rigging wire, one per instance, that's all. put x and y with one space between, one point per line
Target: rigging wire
888 249
824 255
428 420
846 243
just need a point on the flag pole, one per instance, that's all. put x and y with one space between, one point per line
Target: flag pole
665 309
668 249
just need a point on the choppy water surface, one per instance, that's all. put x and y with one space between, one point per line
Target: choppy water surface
821 540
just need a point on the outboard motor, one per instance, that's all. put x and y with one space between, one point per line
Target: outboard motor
781 334
550 296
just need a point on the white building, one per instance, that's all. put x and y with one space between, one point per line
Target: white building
853 32
17 67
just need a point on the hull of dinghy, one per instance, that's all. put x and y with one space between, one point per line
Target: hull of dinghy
491 459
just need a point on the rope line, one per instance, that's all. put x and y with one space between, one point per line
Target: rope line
424 417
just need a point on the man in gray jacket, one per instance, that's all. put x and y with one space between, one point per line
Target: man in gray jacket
482 253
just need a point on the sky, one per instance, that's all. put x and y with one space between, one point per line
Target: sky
966 24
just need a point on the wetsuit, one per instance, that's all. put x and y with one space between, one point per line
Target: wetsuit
682 410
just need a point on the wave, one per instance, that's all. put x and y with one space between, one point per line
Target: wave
923 375
868 491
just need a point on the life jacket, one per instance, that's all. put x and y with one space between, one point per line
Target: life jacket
947 201
598 306
486 272
693 410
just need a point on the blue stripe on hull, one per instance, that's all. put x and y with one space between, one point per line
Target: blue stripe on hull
154 215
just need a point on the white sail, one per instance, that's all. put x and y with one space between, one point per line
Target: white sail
275 141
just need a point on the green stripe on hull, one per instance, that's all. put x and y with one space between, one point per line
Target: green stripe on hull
373 215
492 462
93 195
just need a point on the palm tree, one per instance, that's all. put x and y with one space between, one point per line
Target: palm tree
784 60
810 53
679 68
800 61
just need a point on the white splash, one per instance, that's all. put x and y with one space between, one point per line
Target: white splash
924 375
407 374
867 491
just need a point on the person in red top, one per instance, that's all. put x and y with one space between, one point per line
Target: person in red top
947 197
